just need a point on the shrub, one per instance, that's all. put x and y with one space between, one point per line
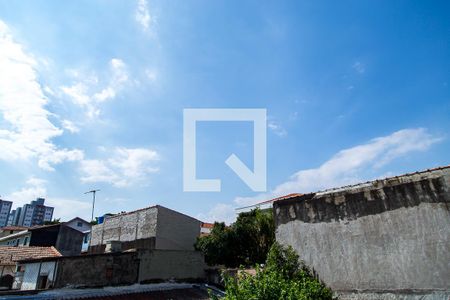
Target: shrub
283 277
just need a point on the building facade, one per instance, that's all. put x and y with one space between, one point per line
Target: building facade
154 227
35 213
5 208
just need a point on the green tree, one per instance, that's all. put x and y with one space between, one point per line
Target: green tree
283 277
246 242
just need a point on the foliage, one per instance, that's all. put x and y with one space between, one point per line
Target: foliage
283 277
55 221
246 242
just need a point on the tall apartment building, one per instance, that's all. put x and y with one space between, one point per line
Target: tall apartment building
35 213
5 208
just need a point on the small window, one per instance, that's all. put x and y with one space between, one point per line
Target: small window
79 224
25 241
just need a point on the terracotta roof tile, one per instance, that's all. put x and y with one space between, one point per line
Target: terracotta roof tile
9 255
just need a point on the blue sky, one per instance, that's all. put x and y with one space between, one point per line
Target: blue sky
92 96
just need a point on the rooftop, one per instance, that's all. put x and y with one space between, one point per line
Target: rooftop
9 255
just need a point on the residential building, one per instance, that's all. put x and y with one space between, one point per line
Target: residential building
67 240
35 213
14 215
10 255
5 208
155 227
206 228
21 238
84 227
8 230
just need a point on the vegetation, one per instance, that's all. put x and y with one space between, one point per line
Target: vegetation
245 243
283 277
54 222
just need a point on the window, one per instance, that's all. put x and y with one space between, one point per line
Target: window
79 224
25 241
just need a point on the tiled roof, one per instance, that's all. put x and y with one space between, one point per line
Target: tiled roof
9 255
207 225
14 228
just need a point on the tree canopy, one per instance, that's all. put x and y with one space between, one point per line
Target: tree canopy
246 242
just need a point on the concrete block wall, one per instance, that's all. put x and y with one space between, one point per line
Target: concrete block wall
383 237
97 270
171 264
155 227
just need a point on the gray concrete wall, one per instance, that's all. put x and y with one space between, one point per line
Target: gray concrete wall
69 241
171 264
380 237
176 231
151 228
135 229
97 270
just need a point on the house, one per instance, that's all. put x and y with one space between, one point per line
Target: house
155 227
8 230
84 227
67 240
79 224
206 228
20 238
10 255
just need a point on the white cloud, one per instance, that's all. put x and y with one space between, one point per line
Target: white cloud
219 213
143 16
65 209
23 108
276 128
359 67
125 167
346 167
87 93
70 126
151 74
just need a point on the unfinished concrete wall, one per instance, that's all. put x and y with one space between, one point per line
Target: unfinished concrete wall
385 237
158 265
155 227
97 270
176 231
135 230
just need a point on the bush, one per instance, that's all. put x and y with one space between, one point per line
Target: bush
246 242
283 277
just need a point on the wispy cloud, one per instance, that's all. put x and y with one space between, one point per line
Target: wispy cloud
125 167
23 108
359 67
70 126
87 92
276 128
347 166
143 16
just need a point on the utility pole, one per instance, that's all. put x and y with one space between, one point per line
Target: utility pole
93 201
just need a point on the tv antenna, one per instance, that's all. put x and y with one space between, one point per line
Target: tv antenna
93 201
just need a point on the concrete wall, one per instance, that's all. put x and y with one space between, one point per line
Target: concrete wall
171 264
176 231
97 270
69 241
151 228
385 236
135 229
